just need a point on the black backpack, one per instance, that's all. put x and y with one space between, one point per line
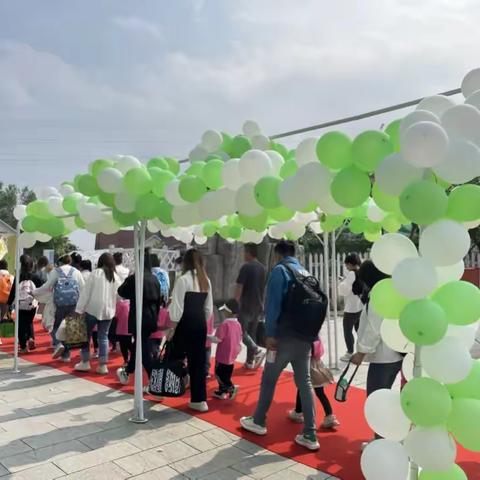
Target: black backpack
358 288
304 307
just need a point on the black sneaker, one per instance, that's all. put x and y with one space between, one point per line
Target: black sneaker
232 392
220 395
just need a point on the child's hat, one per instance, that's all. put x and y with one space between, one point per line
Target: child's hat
230 306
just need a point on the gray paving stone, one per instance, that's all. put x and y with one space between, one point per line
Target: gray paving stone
103 438
200 442
227 474
164 473
310 473
248 447
262 465
162 436
47 471
12 447
220 437
105 471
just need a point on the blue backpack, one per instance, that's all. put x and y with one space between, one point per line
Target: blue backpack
67 290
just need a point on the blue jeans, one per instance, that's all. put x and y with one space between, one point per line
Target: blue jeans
103 327
61 312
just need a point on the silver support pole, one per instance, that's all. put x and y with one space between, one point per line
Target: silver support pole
417 372
327 292
17 299
139 247
335 296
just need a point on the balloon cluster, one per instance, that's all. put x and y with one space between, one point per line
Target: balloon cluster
248 186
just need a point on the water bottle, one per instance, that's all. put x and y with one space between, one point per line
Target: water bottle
271 356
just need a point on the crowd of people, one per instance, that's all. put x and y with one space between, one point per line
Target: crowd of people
182 317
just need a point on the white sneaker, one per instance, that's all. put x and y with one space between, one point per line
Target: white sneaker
250 366
259 357
248 423
330 421
310 443
198 406
82 367
102 369
295 416
122 375
66 359
58 352
346 357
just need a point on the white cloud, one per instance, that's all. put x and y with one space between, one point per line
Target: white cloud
136 25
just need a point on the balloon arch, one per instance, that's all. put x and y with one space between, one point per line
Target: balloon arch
421 169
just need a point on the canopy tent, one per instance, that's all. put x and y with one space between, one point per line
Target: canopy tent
246 187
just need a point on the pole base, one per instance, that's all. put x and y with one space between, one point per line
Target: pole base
16 370
138 420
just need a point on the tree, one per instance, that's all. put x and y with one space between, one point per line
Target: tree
10 196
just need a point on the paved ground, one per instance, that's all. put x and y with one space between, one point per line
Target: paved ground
53 425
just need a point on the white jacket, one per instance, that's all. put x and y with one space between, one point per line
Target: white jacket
353 304
369 340
53 279
99 296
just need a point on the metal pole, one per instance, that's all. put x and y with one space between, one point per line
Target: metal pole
17 299
335 296
138 412
327 292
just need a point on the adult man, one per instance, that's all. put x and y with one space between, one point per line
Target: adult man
249 293
284 347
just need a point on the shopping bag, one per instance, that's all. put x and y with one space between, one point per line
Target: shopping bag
344 383
7 327
61 334
168 377
319 373
75 331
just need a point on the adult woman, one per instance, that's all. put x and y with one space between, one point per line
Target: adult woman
152 299
189 309
98 300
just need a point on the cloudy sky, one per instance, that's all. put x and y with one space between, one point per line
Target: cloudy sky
82 80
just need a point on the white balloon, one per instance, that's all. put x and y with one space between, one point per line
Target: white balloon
231 174
394 338
20 212
415 117
424 144
251 128
384 414
471 82
226 199
328 205
292 194
450 273
110 180
126 163
462 122
385 459
198 154
437 104
66 189
390 249
70 224
26 240
90 213
172 194
186 215
464 333
415 278
375 213
307 151
461 162
207 207
276 231
408 365
44 193
199 240
316 227
212 140
55 205
260 142
245 201
124 202
431 448
305 218
252 236
277 161
393 174
254 165
470 225
153 226
316 180
444 242
107 224
42 237
448 361
474 99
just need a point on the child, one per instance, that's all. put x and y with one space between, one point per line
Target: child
229 338
321 376
123 335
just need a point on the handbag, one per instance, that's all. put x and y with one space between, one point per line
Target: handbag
7 326
168 377
319 373
75 331
344 383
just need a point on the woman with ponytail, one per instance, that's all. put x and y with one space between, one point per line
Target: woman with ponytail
191 306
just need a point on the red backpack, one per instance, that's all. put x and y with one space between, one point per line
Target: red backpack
5 287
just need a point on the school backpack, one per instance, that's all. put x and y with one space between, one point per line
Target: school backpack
5 287
304 306
25 297
66 291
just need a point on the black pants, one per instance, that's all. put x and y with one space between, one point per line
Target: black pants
112 333
146 355
95 340
224 377
322 396
25 326
350 321
382 375
126 346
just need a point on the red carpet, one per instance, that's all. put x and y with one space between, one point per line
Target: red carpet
339 453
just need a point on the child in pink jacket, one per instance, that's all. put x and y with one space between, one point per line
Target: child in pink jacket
123 335
163 324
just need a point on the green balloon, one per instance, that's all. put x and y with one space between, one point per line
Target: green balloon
423 322
124 219
334 149
393 131
453 473
75 181
464 423
426 402
191 188
369 149
257 223
350 187
357 225
147 206
158 162
138 181
107 199
240 144
423 202
98 165
226 143
469 387
282 150
173 165
372 237
386 202
195 169
386 301
464 203
330 223
233 221
70 202
212 174
53 227
266 192
309 207
160 179
210 229
460 300
39 209
391 223
212 157
228 232
165 212
79 222
87 185
224 232
235 232
31 224
281 214
288 169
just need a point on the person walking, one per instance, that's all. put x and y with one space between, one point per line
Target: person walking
86 268
162 276
6 284
27 304
122 271
284 347
152 301
249 293
191 306
67 283
349 290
